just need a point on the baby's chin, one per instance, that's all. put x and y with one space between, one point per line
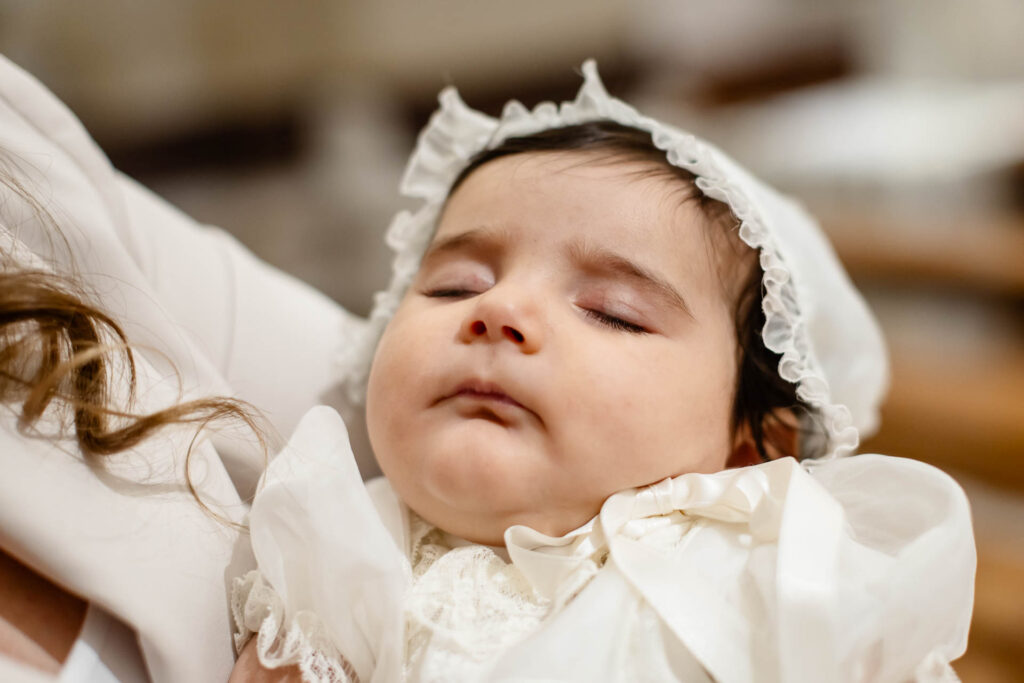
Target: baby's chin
476 493
487 526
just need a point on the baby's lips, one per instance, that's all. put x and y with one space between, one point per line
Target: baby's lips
486 391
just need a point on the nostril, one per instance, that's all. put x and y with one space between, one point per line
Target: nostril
513 334
478 327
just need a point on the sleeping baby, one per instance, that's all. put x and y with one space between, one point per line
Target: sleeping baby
615 389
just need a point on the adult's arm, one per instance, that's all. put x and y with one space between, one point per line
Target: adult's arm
38 620
127 537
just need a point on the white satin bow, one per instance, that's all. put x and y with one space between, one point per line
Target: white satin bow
774 503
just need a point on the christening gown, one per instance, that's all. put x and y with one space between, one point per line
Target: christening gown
854 569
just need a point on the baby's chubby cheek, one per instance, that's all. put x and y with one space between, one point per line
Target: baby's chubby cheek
386 399
653 426
602 425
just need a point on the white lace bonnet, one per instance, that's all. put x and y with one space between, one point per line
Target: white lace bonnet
830 344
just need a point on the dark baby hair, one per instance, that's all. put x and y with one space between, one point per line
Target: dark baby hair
764 403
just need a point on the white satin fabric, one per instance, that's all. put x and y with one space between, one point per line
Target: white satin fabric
106 651
205 319
859 569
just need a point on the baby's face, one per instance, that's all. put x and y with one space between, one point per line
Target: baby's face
568 336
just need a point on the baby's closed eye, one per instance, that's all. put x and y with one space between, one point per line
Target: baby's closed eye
456 280
614 321
616 307
449 293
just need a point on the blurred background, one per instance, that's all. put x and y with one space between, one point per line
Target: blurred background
899 123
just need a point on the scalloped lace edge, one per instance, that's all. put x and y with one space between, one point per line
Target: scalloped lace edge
301 641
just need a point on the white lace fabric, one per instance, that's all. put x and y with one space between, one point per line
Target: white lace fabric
301 640
767 573
465 605
830 345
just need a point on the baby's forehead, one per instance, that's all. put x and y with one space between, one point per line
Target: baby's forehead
648 170
640 183
591 202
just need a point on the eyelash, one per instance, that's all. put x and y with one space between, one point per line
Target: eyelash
448 293
615 323
599 316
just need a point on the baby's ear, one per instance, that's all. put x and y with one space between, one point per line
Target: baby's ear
780 436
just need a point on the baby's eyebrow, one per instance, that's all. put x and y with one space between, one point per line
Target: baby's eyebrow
604 261
477 239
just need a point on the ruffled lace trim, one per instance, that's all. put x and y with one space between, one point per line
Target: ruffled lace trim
301 641
456 132
465 606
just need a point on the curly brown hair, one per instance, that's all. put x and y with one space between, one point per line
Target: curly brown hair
62 355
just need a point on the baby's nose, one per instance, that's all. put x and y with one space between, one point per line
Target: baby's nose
479 328
499 321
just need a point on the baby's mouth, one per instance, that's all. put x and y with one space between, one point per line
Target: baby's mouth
487 395
486 400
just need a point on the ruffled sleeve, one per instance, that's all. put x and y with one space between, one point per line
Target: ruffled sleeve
301 640
908 557
329 589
